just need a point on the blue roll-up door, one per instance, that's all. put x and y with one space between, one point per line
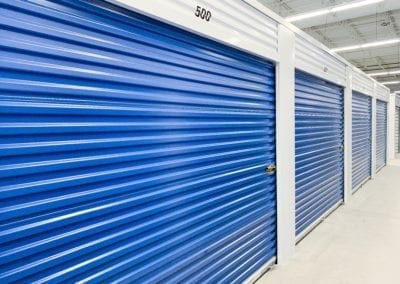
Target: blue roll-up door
319 149
361 137
381 133
131 151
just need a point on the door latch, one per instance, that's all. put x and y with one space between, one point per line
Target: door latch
270 170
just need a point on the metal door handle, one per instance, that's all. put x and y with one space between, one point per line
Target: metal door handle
270 170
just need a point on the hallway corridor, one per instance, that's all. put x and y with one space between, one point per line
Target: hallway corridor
358 244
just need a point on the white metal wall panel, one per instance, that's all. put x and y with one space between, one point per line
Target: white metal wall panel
382 92
314 60
397 130
362 83
233 22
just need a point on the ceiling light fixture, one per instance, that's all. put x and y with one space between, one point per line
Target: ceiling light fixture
331 10
391 83
366 45
385 73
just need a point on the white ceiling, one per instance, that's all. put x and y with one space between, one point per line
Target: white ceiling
361 25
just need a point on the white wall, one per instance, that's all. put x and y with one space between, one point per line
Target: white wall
285 137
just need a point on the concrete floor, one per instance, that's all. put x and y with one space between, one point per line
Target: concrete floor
358 244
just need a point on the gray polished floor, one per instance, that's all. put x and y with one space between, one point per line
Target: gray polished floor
358 244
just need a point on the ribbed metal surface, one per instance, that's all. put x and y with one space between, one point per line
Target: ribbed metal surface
382 92
131 151
362 138
397 130
381 134
234 22
362 83
319 157
314 60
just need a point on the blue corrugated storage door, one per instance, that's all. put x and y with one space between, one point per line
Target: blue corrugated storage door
361 136
381 129
131 151
319 149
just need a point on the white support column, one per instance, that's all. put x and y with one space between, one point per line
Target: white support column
373 152
348 130
391 125
285 145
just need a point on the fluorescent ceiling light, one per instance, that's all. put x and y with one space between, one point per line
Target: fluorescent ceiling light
366 45
332 10
385 73
391 83
307 15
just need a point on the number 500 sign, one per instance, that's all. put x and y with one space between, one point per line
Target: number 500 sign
203 13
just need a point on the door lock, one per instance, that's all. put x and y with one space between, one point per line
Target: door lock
270 170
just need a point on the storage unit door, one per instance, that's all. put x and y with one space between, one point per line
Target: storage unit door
361 136
319 149
381 134
397 130
131 151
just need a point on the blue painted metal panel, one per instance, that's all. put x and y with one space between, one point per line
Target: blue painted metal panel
381 134
362 137
319 148
131 151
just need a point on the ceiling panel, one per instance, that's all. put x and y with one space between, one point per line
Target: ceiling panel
292 7
377 22
360 30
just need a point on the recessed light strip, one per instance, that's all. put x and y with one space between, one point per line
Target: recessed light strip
332 10
366 45
391 83
385 73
